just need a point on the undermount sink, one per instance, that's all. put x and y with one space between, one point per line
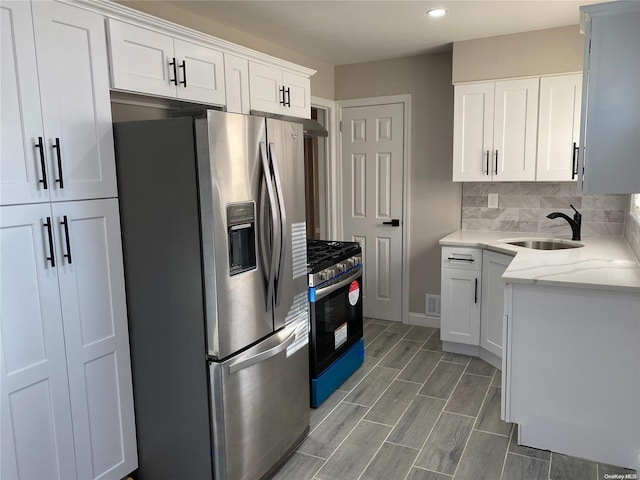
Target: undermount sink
546 244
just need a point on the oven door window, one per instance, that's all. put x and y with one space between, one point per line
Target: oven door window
337 324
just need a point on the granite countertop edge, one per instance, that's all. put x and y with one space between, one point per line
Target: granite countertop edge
603 263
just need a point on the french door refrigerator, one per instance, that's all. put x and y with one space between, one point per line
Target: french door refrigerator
213 226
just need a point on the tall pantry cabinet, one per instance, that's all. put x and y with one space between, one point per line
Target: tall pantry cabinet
66 402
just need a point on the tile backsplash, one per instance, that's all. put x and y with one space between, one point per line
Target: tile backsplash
523 207
632 233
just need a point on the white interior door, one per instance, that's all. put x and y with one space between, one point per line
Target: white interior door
372 192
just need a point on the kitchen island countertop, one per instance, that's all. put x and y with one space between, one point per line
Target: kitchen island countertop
604 263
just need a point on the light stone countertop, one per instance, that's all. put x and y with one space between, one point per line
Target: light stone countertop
604 263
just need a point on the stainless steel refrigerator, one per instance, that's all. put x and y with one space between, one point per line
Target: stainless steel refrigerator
213 226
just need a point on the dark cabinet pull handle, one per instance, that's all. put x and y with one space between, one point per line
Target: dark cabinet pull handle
475 294
65 222
288 104
40 146
495 171
282 102
56 147
394 222
51 258
574 162
488 162
175 72
461 259
183 66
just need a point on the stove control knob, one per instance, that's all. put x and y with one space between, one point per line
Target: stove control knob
330 273
323 275
341 267
351 261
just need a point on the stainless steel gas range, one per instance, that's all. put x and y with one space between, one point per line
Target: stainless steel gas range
336 347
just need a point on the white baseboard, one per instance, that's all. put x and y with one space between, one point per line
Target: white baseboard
422 320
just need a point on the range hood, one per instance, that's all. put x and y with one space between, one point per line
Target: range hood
311 128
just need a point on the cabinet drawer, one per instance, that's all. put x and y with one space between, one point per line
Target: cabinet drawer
462 258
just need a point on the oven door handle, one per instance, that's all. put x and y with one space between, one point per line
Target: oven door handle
324 291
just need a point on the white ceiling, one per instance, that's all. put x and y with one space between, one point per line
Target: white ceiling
343 32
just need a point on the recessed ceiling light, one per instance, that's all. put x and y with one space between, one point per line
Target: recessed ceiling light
437 12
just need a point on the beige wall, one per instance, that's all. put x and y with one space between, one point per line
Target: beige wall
434 200
322 83
555 50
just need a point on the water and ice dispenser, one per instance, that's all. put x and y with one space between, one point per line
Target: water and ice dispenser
241 234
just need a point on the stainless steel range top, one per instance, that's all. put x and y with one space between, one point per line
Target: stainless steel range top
328 259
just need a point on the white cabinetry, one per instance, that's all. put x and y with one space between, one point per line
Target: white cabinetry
494 134
236 76
558 340
472 294
460 295
56 134
559 127
492 310
274 90
67 403
610 132
153 63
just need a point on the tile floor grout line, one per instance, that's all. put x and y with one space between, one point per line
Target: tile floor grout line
476 375
472 428
527 456
436 422
494 433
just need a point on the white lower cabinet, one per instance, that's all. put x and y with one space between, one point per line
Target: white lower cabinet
66 395
472 297
460 295
492 310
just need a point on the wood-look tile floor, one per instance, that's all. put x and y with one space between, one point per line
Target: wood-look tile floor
412 412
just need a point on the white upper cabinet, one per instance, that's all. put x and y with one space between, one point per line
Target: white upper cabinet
23 171
514 130
610 129
57 142
236 80
276 91
494 131
559 127
156 64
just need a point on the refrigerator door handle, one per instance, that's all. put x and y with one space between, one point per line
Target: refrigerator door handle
272 352
284 237
275 244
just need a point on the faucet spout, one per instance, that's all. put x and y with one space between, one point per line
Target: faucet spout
574 223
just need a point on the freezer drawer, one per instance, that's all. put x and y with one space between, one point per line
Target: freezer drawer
260 404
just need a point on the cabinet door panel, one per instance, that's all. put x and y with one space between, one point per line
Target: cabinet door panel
96 335
299 95
140 60
264 88
558 126
460 315
236 75
515 127
611 117
21 119
473 132
493 266
204 70
73 73
37 439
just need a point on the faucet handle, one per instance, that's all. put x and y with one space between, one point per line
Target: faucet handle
578 214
